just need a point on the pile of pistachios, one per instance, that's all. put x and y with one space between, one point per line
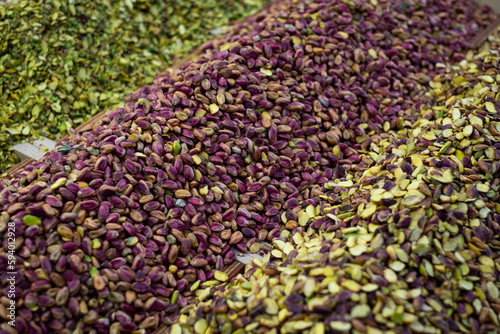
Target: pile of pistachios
414 240
335 130
62 62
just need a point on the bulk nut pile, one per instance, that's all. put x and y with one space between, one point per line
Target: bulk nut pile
417 244
122 226
62 62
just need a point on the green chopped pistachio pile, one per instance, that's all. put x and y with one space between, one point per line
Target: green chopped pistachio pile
63 61
415 242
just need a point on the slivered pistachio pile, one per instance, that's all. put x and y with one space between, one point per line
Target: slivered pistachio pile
414 245
63 61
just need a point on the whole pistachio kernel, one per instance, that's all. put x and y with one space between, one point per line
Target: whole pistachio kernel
65 232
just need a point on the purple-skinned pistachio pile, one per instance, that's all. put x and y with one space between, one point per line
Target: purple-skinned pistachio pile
416 245
118 229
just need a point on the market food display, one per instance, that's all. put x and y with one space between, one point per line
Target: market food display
359 138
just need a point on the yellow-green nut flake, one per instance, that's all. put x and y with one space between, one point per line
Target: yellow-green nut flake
360 311
220 276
